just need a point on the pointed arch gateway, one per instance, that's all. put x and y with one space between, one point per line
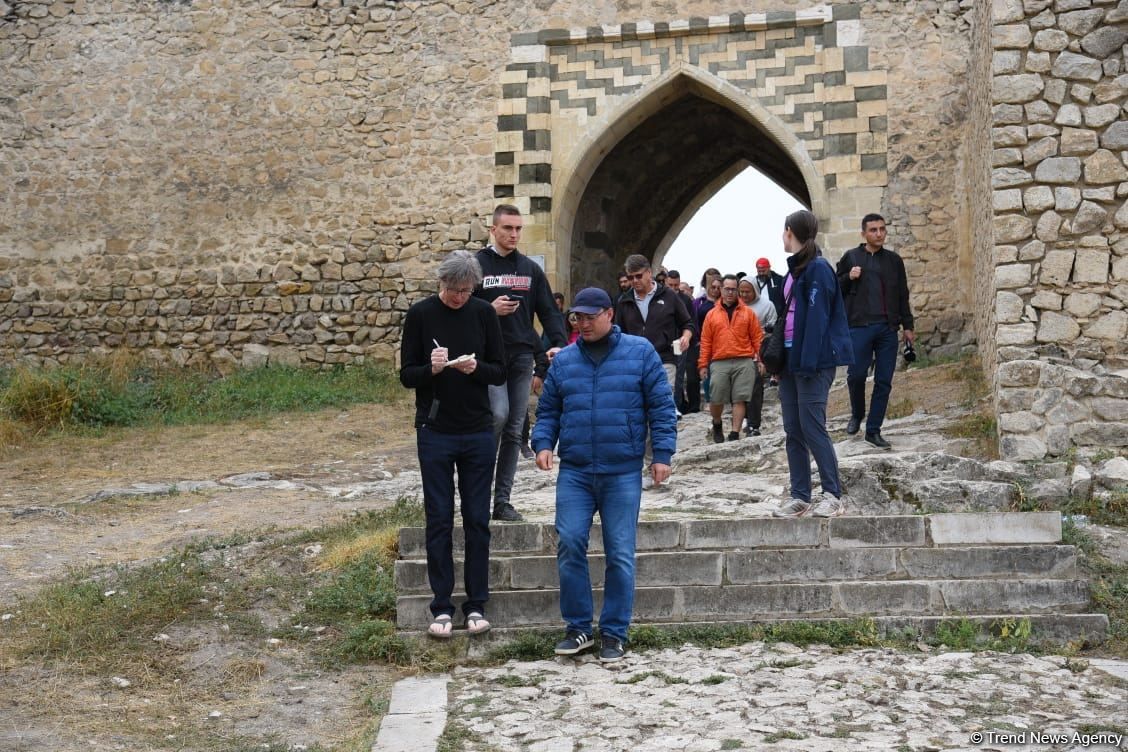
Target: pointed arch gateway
634 185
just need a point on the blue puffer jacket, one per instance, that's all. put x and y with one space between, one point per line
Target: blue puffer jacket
822 332
600 413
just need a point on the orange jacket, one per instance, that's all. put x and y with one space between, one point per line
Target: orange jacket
723 338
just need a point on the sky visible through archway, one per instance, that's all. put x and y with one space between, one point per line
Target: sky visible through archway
738 225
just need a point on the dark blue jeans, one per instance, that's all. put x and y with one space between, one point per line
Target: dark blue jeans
440 454
876 344
509 404
579 495
802 400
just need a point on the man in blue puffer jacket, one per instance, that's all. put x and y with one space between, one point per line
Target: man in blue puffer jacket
599 398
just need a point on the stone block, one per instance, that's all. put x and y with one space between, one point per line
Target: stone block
1055 327
1080 22
1010 36
1051 40
653 535
1006 61
1069 114
995 528
884 597
1111 408
1076 141
1008 308
1038 198
1037 62
1019 373
876 532
515 538
1059 170
1115 137
1008 200
1021 448
1004 157
1104 41
1008 135
1056 267
1099 434
1050 301
1100 115
752 533
758 600
1008 177
411 574
1039 150
1016 597
812 565
1011 228
1082 304
1016 89
1006 114
1039 112
1032 251
1011 276
1007 11
1104 167
1020 422
1014 334
1048 228
1012 562
1112 326
1066 199
1091 265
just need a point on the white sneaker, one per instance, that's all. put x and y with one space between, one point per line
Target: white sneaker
829 506
792 508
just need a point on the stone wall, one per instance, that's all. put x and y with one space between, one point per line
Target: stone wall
218 182
1060 184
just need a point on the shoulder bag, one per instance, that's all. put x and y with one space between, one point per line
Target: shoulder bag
773 354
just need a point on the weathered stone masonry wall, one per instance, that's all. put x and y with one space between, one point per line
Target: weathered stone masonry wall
1060 183
224 182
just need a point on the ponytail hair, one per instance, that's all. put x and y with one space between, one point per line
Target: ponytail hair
805 227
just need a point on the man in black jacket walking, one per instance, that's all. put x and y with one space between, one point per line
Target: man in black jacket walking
517 288
655 312
876 291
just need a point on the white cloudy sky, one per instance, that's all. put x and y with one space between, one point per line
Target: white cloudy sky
741 223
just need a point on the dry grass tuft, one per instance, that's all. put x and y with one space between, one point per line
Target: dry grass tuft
384 543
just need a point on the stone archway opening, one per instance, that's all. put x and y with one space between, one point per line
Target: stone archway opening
649 184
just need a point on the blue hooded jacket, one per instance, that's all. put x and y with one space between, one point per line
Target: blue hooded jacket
822 332
600 413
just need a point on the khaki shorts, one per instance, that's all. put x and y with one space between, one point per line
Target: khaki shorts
731 380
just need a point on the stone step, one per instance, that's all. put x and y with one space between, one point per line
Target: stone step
920 598
934 530
779 566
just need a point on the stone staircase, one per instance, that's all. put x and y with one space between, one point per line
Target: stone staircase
904 572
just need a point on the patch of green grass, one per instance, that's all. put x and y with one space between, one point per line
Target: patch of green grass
454 737
981 428
839 633
1105 510
91 615
775 737
715 679
1108 587
660 675
123 390
1003 635
512 680
902 408
731 744
525 646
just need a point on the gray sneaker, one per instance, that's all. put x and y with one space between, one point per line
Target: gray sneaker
792 508
829 506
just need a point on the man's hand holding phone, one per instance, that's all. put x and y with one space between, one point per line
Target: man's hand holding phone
506 304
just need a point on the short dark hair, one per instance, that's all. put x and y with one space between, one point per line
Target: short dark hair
733 277
635 263
501 209
622 275
871 218
558 296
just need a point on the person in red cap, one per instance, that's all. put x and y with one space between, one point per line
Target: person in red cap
769 285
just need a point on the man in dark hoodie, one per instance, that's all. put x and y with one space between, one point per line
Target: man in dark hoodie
876 291
517 288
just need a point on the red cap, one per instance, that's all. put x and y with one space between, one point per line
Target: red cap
763 262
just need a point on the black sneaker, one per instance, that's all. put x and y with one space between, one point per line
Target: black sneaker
853 425
611 649
527 452
734 436
718 434
876 440
574 642
754 432
506 513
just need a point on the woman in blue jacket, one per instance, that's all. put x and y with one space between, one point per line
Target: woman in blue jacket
817 338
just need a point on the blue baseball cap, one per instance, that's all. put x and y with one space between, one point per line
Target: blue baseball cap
591 300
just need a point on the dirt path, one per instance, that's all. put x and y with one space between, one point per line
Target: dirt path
47 523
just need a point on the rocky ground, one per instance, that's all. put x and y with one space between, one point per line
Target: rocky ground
134 496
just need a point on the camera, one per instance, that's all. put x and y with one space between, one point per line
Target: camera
909 352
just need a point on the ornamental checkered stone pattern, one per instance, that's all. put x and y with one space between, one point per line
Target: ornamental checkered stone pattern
804 68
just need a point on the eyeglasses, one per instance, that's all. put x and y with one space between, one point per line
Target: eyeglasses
459 290
633 277
587 317
731 290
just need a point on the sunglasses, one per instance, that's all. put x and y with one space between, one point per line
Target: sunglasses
633 277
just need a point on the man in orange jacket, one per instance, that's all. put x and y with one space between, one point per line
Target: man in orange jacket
730 354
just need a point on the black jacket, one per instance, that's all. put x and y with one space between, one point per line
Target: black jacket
517 276
665 322
889 296
774 286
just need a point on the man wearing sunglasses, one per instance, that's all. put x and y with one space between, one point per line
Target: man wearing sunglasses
656 313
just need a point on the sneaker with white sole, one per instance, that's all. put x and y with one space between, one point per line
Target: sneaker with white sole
829 506
792 508
574 642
